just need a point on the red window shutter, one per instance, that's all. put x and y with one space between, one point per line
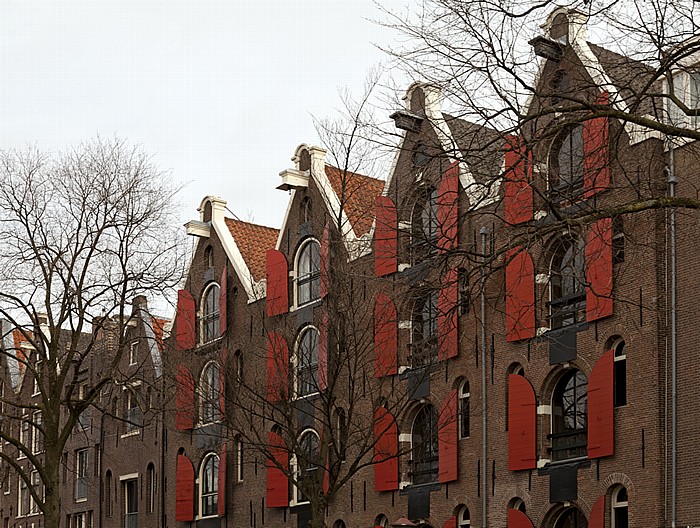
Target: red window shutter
448 439
520 295
277 275
599 270
185 320
450 523
448 335
386 450
184 489
522 409
517 519
222 383
277 484
323 353
385 237
518 189
222 303
448 210
596 155
601 423
597 519
277 367
386 336
222 481
324 257
184 399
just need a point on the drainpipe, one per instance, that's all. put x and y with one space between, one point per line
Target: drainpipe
671 179
484 514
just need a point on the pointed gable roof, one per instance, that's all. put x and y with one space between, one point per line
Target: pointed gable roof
253 241
357 193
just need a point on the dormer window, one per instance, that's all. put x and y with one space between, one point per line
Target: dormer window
424 225
308 272
686 87
566 162
209 320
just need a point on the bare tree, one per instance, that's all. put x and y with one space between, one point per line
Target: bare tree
81 234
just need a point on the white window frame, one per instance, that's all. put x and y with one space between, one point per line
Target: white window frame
125 482
152 490
463 517
312 367
39 489
35 381
210 493
132 428
38 436
84 418
310 277
683 85
133 353
615 503
616 359
240 450
213 316
294 466
463 396
208 395
22 496
25 434
81 474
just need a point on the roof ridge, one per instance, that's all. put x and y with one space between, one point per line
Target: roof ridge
226 218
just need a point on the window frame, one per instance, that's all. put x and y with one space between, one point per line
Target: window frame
208 490
431 462
133 416
209 315
131 516
25 434
619 372
572 442
424 350
463 517
133 353
151 488
573 186
567 263
302 370
463 410
424 225
297 497
618 505
310 278
37 434
82 465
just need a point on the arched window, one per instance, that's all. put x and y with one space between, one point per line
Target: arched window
570 416
424 225
209 486
209 320
518 370
308 272
108 493
306 461
424 336
566 162
209 256
620 374
463 517
339 524
571 518
151 488
618 516
516 503
424 446
420 155
306 363
464 409
209 394
381 521
567 279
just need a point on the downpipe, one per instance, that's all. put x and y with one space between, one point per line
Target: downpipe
671 180
484 436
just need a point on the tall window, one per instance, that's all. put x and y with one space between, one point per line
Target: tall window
424 226
306 362
81 474
566 162
210 313
308 272
84 418
209 486
134 353
151 488
620 374
38 438
306 462
570 416
239 459
464 410
209 394
424 331
619 508
23 498
424 446
463 517
131 503
38 489
132 411
108 494
567 283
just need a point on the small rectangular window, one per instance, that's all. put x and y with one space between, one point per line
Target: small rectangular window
133 353
131 504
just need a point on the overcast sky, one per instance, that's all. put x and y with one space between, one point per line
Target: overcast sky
220 92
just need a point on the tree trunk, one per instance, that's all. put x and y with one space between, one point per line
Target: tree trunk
52 494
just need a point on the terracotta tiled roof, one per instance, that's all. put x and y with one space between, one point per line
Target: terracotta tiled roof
357 193
158 329
19 351
253 241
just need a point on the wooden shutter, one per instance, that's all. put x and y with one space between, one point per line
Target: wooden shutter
597 519
222 481
277 368
448 459
386 336
599 270
596 155
518 189
277 283
222 303
386 449
184 489
325 263
450 523
323 353
520 295
222 383
185 321
448 210
522 409
601 423
385 237
277 484
448 334
184 398
517 519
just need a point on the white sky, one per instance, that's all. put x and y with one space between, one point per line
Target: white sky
220 92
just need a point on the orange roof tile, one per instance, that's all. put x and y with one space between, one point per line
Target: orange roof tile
358 198
18 351
253 241
158 330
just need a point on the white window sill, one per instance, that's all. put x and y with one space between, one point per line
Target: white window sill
84 499
130 433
